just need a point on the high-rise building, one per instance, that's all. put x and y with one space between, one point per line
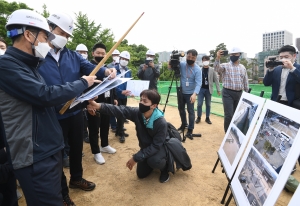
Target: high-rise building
298 43
275 40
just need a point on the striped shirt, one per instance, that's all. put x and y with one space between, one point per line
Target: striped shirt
233 77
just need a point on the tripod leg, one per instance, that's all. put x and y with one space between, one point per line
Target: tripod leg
167 99
229 199
225 193
213 171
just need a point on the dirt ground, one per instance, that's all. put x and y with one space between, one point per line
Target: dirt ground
117 185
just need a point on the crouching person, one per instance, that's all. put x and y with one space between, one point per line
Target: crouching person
151 130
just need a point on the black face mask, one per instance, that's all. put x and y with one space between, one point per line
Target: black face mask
143 108
190 62
98 59
234 58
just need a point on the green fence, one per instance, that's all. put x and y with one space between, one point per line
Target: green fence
216 104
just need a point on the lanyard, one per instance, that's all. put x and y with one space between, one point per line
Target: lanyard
186 71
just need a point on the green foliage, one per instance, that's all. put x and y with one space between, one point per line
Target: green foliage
213 53
45 12
6 8
88 33
165 73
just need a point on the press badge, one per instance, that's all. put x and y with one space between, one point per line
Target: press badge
187 84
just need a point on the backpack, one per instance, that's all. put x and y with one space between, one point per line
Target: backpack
291 184
173 132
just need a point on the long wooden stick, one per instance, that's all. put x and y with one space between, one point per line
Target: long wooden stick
101 63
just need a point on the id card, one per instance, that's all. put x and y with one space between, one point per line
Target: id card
187 84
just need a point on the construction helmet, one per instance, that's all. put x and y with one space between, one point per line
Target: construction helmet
150 52
62 20
116 52
26 17
125 54
235 50
81 47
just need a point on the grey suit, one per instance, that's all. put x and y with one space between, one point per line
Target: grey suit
206 93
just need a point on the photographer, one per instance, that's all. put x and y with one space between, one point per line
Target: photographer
149 71
190 81
283 78
235 80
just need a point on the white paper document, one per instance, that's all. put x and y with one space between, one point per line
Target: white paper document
137 86
103 87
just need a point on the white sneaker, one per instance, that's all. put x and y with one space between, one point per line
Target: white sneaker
99 158
108 149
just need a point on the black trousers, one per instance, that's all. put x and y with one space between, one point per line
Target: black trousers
8 191
41 182
120 121
94 123
72 128
157 161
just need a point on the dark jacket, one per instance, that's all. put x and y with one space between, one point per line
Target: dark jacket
70 67
26 105
150 140
123 86
273 79
150 74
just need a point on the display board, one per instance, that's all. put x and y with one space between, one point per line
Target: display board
239 131
264 169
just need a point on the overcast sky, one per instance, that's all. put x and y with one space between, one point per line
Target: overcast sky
167 25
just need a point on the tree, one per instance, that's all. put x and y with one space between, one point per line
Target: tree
88 33
45 12
6 9
213 53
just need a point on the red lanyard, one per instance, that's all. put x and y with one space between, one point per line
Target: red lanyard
186 71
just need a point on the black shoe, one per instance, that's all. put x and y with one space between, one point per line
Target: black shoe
189 134
126 135
124 129
164 176
113 130
86 140
122 139
207 120
126 121
198 120
182 127
82 184
67 201
66 163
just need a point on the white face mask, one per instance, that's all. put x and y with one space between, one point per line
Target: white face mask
205 63
124 63
116 59
2 52
42 49
85 56
149 58
59 41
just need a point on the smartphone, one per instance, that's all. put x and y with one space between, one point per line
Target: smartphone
225 53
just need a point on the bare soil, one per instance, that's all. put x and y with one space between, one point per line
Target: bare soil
117 185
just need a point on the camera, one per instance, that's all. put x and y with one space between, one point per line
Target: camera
273 63
175 62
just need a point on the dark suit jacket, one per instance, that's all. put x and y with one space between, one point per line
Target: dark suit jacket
274 78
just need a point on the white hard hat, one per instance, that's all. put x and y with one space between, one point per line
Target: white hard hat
81 47
235 50
27 18
62 20
125 54
116 51
150 52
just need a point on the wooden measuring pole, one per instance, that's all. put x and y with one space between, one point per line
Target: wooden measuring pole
101 63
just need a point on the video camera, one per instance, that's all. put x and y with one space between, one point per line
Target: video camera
273 63
175 62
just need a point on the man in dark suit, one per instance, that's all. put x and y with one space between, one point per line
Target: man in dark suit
283 78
